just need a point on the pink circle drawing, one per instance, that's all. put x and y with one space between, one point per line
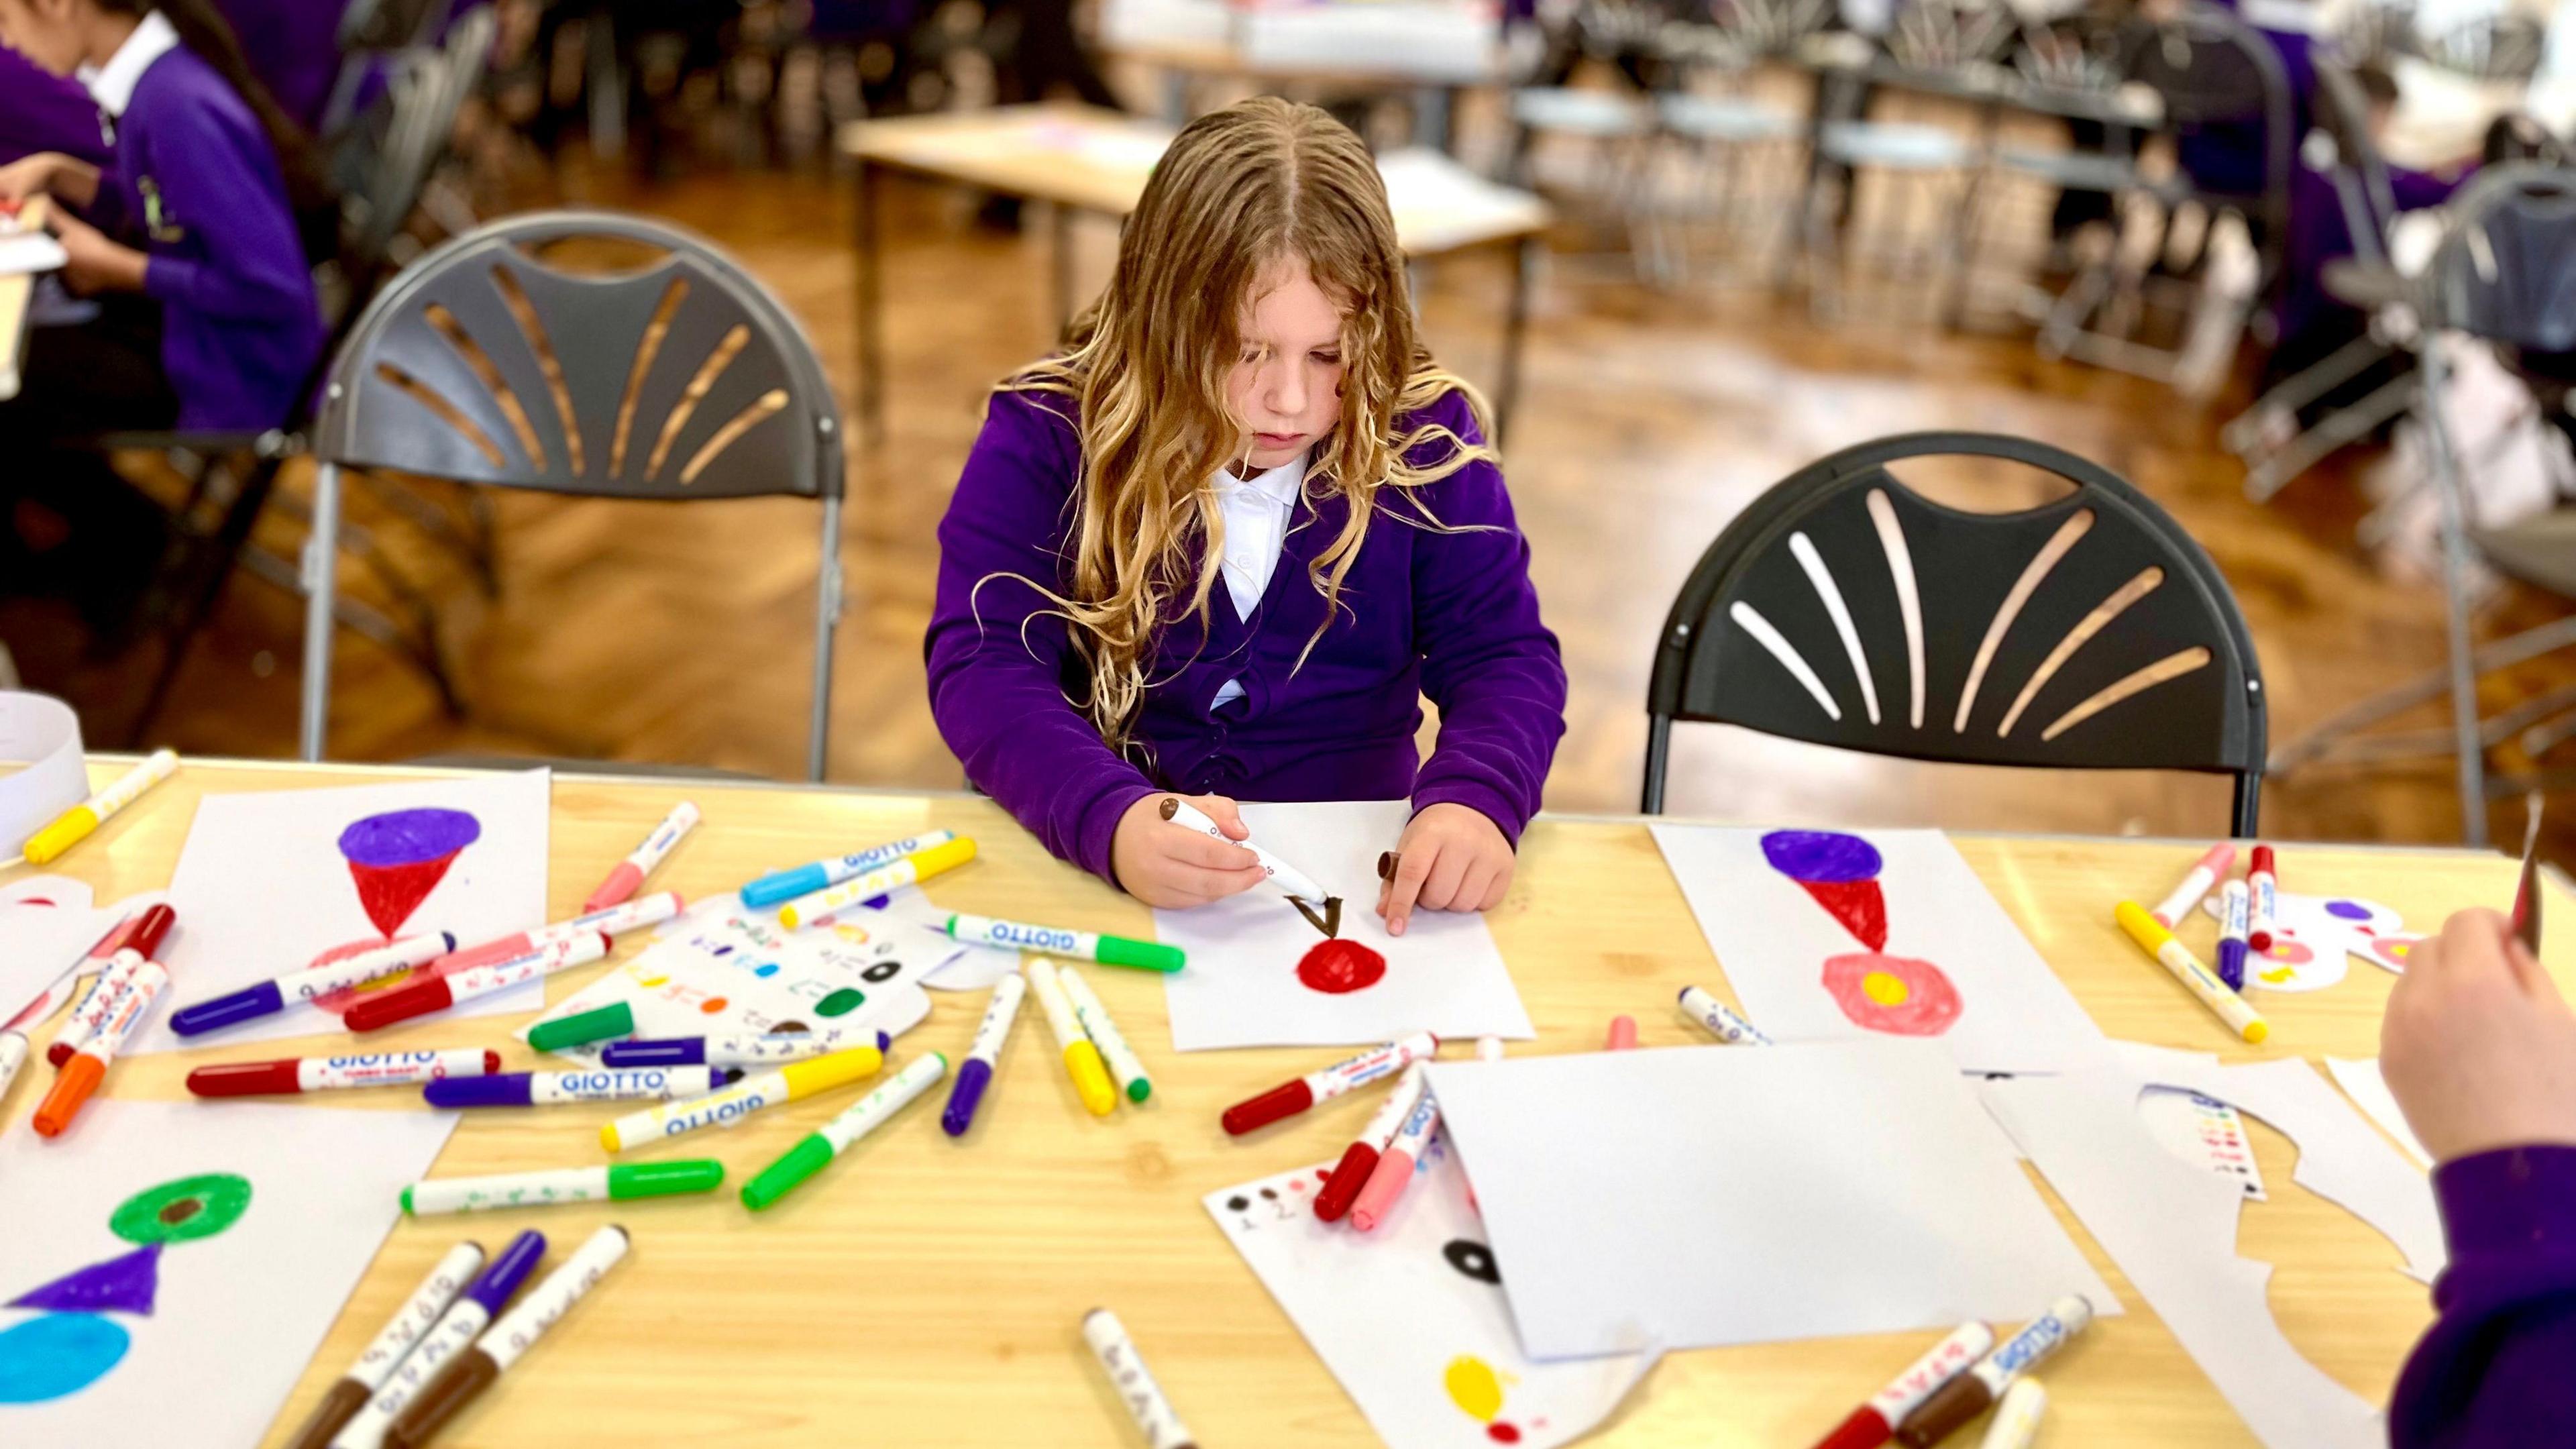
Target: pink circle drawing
1894 994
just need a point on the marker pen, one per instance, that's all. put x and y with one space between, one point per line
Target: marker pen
1349 1175
1121 1058
613 922
2209 870
739 1049
507 1340
420 998
629 874
1081 1055
1056 941
976 1072
146 980
548 1089
457 1328
912 869
1394 1170
1965 1397
804 880
323 1074
271 997
419 1313
789 1083
1135 1384
1874 1422
2175 957
617 1182
816 1149
2235 921
145 937
2265 912
74 825
1719 1019
1283 875
1292 1097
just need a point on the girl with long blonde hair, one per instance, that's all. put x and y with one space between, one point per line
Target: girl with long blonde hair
1224 540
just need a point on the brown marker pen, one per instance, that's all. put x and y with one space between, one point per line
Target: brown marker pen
1968 1395
506 1341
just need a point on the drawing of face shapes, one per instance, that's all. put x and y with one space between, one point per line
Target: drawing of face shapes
74 1344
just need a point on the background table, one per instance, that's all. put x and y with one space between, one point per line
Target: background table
1079 158
927 1292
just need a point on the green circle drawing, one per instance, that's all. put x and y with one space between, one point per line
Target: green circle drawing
840 1002
180 1211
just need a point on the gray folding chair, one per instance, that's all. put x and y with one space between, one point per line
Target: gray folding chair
482 363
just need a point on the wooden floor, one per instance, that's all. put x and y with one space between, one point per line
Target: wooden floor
1649 419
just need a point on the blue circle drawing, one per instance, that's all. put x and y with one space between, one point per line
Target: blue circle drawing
60 1353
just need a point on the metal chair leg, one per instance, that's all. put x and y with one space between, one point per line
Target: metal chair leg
2455 563
321 568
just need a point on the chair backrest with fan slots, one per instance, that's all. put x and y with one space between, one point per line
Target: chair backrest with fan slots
485 363
2505 270
1843 608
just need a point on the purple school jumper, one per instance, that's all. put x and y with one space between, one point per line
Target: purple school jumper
2498 1369
1449 615
41 111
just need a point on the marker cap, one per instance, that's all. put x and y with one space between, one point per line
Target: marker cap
72 1085
1143 955
507 1271
149 929
786 885
821 1074
671 1051
510 1089
582 1028
68 830
621 883
665 1179
782 1177
245 1079
263 999
383 1009
1342 1189
1285 1100
965 1095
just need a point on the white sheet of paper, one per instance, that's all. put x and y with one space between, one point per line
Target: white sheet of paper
1698 1196
233 1314
2340 1158
1242 986
1916 947
1411 1317
41 738
718 968
2172 1229
22 252
46 926
2362 1082
2205 1132
262 889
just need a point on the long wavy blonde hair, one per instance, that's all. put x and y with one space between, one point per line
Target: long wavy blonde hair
1240 189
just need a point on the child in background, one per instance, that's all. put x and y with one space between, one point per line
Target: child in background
2479 1048
187 235
1225 540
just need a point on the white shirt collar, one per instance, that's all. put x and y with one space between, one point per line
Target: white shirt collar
1280 485
112 85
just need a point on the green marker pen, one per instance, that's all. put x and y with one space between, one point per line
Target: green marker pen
1123 1062
1090 945
833 1138
606 1023
619 1182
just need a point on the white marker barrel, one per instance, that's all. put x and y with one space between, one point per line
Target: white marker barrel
517 1331
420 1313
1143 1397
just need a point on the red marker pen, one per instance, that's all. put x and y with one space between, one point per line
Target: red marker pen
316 1074
2266 906
1874 1423
613 922
1351 1174
1290 1098
145 981
374 1013
127 948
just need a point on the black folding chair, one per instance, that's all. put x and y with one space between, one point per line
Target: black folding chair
1845 609
483 363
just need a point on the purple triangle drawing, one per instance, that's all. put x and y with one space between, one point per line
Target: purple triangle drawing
119 1285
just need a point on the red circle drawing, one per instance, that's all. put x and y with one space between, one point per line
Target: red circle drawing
1502 1433
1893 994
1339 967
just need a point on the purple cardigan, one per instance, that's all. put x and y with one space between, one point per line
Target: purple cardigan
196 184
41 111
1450 615
2498 1369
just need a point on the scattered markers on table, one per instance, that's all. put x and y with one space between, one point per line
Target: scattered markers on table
819 1147
1003 935
792 1082
612 923
1292 1097
14 1047
1719 1019
2176 958
607 1084
1394 1170
1359 1160
1965 1397
912 869
628 874
1143 1397
2264 915
419 1313
739 1049
617 1182
976 1072
507 1340
297 988
74 825
1875 1421
2016 1420
1081 1055
1121 1058
2212 867
411 999
323 1074
781 886
2235 920
110 982
145 982
458 1327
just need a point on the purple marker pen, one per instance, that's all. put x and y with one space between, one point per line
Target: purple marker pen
977 1070
455 1332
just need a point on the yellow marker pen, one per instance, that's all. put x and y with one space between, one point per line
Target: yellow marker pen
789 1083
1081 1058
2158 942
74 825
921 865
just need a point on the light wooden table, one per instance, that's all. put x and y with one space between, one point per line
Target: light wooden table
1186 61
927 1293
15 294
1079 158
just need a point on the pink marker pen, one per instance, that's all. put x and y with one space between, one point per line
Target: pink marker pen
629 875
2209 870
1395 1165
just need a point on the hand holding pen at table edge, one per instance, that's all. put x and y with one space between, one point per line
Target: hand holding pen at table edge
1169 865
2479 1045
1451 858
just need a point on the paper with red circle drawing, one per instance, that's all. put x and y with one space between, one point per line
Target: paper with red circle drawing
1260 974
1877 933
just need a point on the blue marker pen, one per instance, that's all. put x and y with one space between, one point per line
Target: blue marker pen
787 885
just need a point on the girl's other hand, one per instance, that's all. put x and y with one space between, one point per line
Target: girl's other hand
27 176
92 263
2478 1046
1451 859
1172 866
